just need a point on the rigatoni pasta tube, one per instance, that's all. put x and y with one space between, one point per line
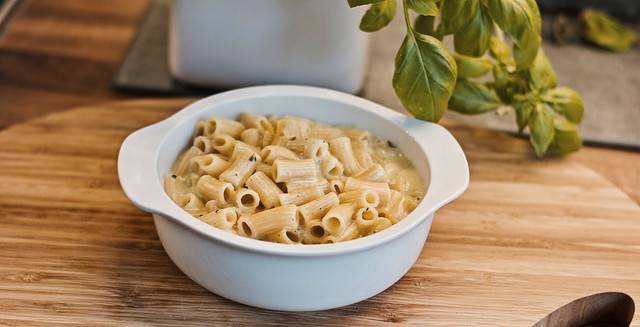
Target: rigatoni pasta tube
362 198
365 218
380 224
191 203
362 154
219 125
273 152
240 168
383 190
269 192
240 147
258 122
203 143
184 163
338 218
210 164
374 173
394 209
211 205
251 136
269 221
246 200
318 207
213 189
313 232
350 232
301 196
315 148
223 143
267 138
265 169
296 186
285 236
330 167
291 170
336 185
341 148
171 188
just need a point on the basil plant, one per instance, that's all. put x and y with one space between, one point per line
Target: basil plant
428 78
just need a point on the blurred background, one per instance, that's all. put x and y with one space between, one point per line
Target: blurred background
58 54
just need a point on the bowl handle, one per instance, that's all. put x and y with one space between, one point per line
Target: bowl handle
138 153
449 170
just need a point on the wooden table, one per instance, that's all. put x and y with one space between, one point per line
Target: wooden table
527 237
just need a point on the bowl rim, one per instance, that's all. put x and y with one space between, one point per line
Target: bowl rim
170 210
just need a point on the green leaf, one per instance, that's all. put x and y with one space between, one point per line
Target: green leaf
523 114
424 7
541 129
521 20
456 14
523 108
499 50
424 77
469 67
379 15
566 137
473 98
474 38
356 3
566 102
541 75
604 31
425 25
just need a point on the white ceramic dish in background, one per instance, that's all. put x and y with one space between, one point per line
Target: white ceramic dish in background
281 276
227 43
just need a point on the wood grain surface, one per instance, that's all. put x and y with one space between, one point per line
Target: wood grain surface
56 54
527 237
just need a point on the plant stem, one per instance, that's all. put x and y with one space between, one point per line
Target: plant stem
407 19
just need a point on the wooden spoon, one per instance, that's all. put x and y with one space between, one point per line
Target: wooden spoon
610 309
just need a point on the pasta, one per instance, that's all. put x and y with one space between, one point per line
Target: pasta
294 170
267 190
291 180
301 196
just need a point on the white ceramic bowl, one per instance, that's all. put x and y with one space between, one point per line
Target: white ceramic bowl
281 276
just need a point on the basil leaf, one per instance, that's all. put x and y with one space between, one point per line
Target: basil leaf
541 75
424 77
379 15
606 32
523 114
473 39
456 14
424 7
566 102
469 67
521 20
541 129
356 3
566 137
425 25
473 98
523 105
499 50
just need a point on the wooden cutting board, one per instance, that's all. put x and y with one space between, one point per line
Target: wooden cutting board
527 237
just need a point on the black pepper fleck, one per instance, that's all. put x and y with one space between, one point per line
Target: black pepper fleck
391 145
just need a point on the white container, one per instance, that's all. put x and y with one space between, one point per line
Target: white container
283 276
226 43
